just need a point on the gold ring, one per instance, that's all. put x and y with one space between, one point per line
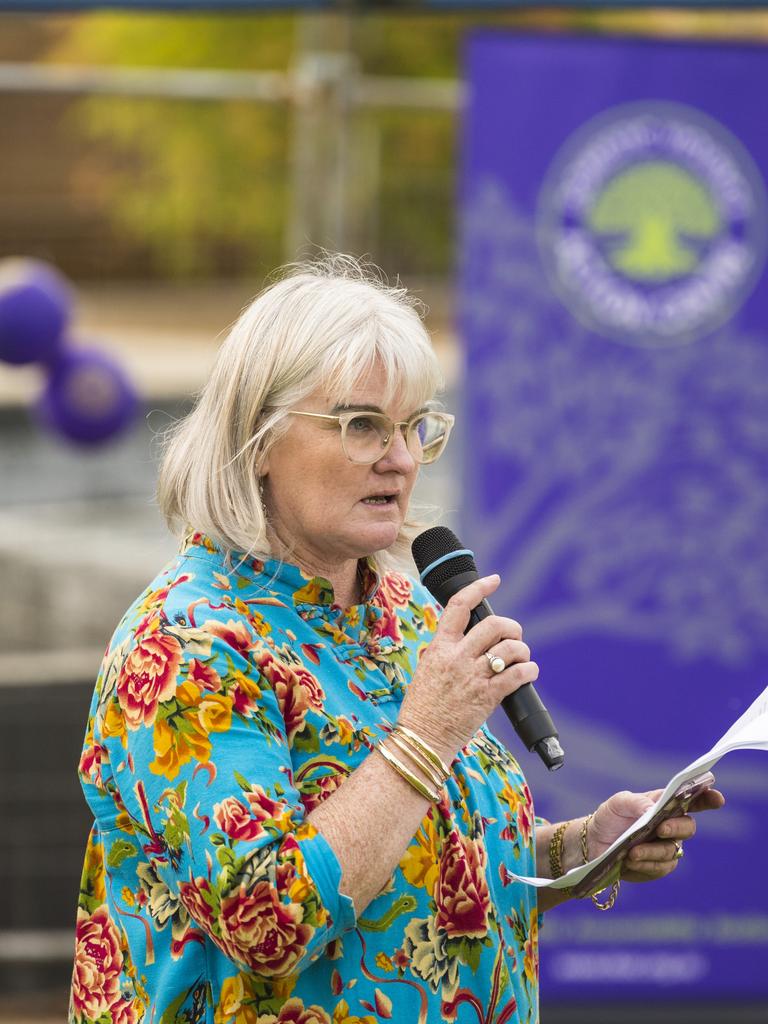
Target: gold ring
678 850
497 664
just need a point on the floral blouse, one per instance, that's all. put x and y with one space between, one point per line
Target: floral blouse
230 702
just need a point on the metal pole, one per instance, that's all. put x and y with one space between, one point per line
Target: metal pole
216 84
325 80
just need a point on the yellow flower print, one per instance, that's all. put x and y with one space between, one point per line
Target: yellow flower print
430 618
302 884
125 822
174 749
384 962
341 1015
311 593
345 731
215 712
93 869
260 624
167 760
300 889
188 694
153 625
204 713
196 741
152 601
337 635
114 723
508 796
463 787
230 1009
531 958
306 830
284 822
421 861
246 684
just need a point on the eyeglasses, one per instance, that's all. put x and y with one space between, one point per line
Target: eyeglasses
366 437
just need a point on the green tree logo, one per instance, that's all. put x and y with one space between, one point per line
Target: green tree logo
653 221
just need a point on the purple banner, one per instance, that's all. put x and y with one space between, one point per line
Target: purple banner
615 316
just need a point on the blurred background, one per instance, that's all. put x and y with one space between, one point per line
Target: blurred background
165 164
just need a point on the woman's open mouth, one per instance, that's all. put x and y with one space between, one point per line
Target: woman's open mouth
380 499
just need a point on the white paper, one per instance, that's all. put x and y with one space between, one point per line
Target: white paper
749 732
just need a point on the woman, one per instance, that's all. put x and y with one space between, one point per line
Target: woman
300 815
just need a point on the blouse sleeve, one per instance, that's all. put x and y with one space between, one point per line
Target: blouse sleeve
195 734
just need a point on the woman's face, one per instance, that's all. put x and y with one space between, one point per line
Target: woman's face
323 507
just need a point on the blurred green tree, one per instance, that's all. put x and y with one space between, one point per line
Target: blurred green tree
655 219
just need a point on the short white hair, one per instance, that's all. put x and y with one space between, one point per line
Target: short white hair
323 324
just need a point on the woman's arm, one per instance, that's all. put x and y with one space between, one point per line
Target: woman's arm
369 822
373 815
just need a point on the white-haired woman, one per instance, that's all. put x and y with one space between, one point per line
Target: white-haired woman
300 815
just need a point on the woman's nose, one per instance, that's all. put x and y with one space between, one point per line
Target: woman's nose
398 457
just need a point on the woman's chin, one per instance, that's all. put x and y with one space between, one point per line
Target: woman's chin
379 537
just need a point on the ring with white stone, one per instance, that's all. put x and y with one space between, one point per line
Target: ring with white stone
678 850
497 664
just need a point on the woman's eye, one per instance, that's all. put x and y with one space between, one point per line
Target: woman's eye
361 424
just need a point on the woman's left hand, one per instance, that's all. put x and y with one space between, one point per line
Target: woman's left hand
653 858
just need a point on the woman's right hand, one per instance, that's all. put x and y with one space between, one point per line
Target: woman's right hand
454 690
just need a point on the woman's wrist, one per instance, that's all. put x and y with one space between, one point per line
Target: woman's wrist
572 854
434 736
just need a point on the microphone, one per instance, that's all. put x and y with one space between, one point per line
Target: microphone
446 567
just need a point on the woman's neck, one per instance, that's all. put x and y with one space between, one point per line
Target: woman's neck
344 576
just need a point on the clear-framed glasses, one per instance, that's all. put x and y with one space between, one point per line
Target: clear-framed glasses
367 436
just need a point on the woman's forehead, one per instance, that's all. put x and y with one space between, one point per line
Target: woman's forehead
378 389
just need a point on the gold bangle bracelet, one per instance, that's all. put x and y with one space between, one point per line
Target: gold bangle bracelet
425 749
556 850
418 759
399 767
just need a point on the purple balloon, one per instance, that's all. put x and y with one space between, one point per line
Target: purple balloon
35 307
88 398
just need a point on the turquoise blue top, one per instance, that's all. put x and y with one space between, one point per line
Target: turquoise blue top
229 704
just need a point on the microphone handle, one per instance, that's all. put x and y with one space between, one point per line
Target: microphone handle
524 708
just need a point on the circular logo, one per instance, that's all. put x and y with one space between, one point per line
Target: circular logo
652 224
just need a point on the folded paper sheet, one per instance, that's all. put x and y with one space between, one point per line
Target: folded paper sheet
750 732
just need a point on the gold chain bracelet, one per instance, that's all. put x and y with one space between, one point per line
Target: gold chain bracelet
585 854
556 850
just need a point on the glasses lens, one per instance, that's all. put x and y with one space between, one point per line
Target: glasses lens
427 436
365 437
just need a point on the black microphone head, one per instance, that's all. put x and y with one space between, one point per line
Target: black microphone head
433 546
